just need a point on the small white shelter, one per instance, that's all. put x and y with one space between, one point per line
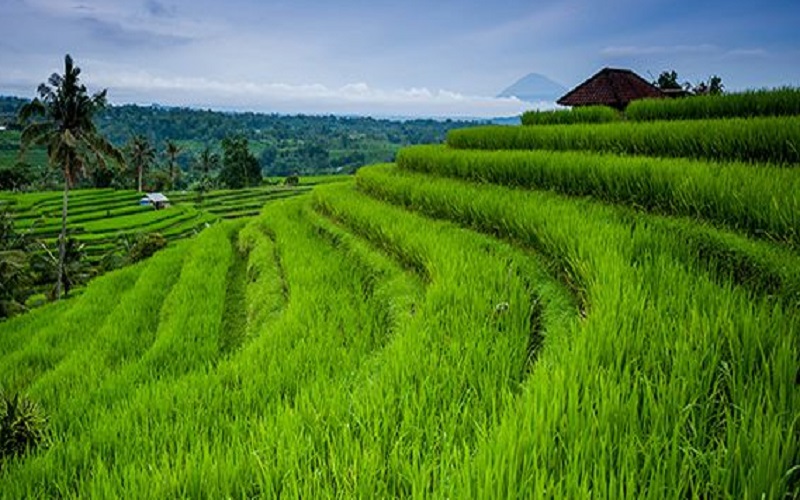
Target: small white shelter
156 200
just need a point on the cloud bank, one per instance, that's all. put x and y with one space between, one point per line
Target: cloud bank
352 98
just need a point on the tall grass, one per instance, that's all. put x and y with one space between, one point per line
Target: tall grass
191 317
776 102
71 388
428 399
691 378
36 347
524 345
773 140
761 202
584 114
198 421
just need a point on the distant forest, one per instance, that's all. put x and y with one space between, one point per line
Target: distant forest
283 144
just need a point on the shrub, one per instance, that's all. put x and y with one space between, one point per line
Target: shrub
145 245
22 426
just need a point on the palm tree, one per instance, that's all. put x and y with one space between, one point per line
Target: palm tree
64 125
172 150
141 154
206 161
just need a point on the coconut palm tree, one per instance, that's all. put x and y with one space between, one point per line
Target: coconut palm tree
60 118
141 154
206 161
172 150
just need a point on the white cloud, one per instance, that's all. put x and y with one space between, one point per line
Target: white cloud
357 97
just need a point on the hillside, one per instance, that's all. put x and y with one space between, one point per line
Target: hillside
284 144
523 312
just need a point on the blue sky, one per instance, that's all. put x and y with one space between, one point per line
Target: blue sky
415 57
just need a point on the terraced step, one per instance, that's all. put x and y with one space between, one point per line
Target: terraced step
770 140
763 202
661 365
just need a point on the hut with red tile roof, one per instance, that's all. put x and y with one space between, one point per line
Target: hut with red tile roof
611 87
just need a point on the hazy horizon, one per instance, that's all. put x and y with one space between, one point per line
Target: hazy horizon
448 59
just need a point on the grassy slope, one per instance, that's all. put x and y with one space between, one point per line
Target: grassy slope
677 400
446 328
98 217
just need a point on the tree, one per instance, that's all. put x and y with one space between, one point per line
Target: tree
60 118
668 80
268 156
172 150
15 274
74 271
713 86
206 162
141 155
239 167
16 176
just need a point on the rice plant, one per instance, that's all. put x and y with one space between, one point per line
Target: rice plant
763 202
775 102
464 324
772 140
586 114
677 398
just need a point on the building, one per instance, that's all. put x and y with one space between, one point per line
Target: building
611 87
156 200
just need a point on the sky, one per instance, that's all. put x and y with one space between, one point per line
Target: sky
386 58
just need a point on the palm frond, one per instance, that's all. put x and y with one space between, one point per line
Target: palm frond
100 146
37 133
30 110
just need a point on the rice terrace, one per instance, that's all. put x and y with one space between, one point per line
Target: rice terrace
599 300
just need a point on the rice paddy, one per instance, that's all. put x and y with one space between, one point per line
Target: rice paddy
99 217
492 318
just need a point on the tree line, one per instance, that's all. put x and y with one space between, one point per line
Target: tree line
184 148
668 80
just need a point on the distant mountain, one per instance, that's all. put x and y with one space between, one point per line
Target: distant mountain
535 87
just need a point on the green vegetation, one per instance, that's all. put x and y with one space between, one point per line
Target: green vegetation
22 426
668 81
61 120
776 102
587 114
283 145
230 204
737 139
108 229
239 167
762 202
470 322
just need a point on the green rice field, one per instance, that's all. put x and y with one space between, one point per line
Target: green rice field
606 310
99 217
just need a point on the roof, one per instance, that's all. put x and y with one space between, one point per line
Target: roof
155 197
611 87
